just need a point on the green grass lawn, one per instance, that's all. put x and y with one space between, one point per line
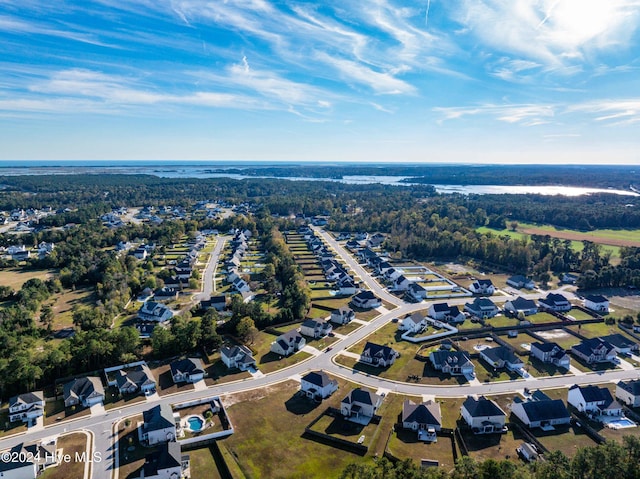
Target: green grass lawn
202 464
270 444
493 446
503 321
485 373
594 330
579 315
268 361
405 444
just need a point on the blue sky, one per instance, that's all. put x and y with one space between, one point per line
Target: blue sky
493 81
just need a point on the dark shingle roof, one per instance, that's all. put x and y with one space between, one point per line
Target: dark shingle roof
544 347
167 456
319 378
501 353
378 351
158 417
187 366
363 396
521 303
632 387
545 410
424 413
482 407
596 298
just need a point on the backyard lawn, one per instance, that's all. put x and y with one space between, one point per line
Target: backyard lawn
405 444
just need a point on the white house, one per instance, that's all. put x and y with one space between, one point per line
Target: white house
288 343
188 370
413 323
455 363
158 425
621 344
629 392
482 415
551 353
377 355
417 292
542 413
343 315
366 300
86 391
166 462
502 357
317 385
521 305
425 418
518 281
314 328
444 312
241 285
555 302
152 311
26 407
401 283
482 286
237 357
597 303
360 405
594 401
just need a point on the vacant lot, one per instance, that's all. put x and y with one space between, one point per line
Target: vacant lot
493 446
269 424
608 237
69 444
15 277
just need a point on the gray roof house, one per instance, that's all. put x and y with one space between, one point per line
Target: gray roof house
26 407
135 379
237 357
482 308
159 425
543 413
482 415
425 418
187 370
595 350
86 391
378 355
501 357
166 462
455 363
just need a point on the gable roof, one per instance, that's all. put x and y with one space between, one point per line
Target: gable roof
453 358
365 295
619 341
318 378
158 417
83 387
440 307
545 347
521 303
363 396
482 407
482 303
378 351
588 346
594 394
596 298
138 375
632 387
27 398
187 366
554 298
545 410
168 456
416 317
501 353
424 413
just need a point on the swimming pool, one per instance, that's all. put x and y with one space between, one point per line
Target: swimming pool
621 423
195 423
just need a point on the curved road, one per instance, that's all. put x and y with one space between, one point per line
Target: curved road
101 424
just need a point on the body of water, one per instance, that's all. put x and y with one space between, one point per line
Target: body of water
206 171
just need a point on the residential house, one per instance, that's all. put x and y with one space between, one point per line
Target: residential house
375 240
416 292
425 418
360 405
482 286
391 274
135 379
353 245
219 303
140 252
366 300
555 302
521 305
315 328
166 294
45 249
347 287
542 413
343 315
146 328
593 400
518 281
551 353
158 425
413 323
26 407
167 462
288 343
621 343
237 357
482 308
444 312
188 370
595 351
569 278
27 461
597 303
482 415
401 283
629 392
241 285
502 357
377 355
454 363
152 311
86 391
317 385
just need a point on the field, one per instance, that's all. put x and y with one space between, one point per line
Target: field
273 419
203 464
16 277
64 303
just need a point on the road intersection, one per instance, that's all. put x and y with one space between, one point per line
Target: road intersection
101 425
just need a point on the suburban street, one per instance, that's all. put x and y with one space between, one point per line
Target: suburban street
208 285
101 424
